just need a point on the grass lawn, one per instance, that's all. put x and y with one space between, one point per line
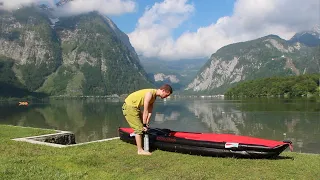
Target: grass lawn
118 160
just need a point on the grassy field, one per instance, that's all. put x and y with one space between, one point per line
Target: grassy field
118 160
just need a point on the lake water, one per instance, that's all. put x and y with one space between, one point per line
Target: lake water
297 120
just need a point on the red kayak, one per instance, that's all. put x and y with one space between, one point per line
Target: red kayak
209 144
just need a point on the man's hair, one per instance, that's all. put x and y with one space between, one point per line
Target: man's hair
167 88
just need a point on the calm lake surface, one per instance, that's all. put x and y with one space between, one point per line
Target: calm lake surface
297 120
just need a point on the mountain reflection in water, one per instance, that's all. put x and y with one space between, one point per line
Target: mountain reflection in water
295 120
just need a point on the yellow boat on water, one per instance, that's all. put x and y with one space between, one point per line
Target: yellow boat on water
23 103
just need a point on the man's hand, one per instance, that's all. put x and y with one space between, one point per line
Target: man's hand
145 129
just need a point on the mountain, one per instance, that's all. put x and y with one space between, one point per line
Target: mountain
27 38
263 57
309 38
177 73
62 2
77 55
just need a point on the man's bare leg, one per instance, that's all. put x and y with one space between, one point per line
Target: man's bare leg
138 138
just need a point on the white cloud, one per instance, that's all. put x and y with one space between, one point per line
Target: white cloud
152 36
106 7
250 19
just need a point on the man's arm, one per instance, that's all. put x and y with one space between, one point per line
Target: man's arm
149 113
146 108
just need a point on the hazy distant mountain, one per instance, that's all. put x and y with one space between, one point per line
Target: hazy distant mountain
178 73
309 38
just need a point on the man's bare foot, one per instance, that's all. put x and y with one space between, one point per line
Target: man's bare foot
144 153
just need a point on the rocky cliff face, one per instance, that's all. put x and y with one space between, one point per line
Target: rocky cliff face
97 56
79 55
163 77
263 57
26 37
62 2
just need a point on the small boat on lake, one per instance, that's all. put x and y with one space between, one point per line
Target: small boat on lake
23 103
209 144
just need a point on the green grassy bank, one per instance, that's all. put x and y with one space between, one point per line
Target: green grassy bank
118 160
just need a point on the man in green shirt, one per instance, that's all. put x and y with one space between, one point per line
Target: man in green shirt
138 121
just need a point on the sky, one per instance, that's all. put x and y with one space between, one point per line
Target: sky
189 29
